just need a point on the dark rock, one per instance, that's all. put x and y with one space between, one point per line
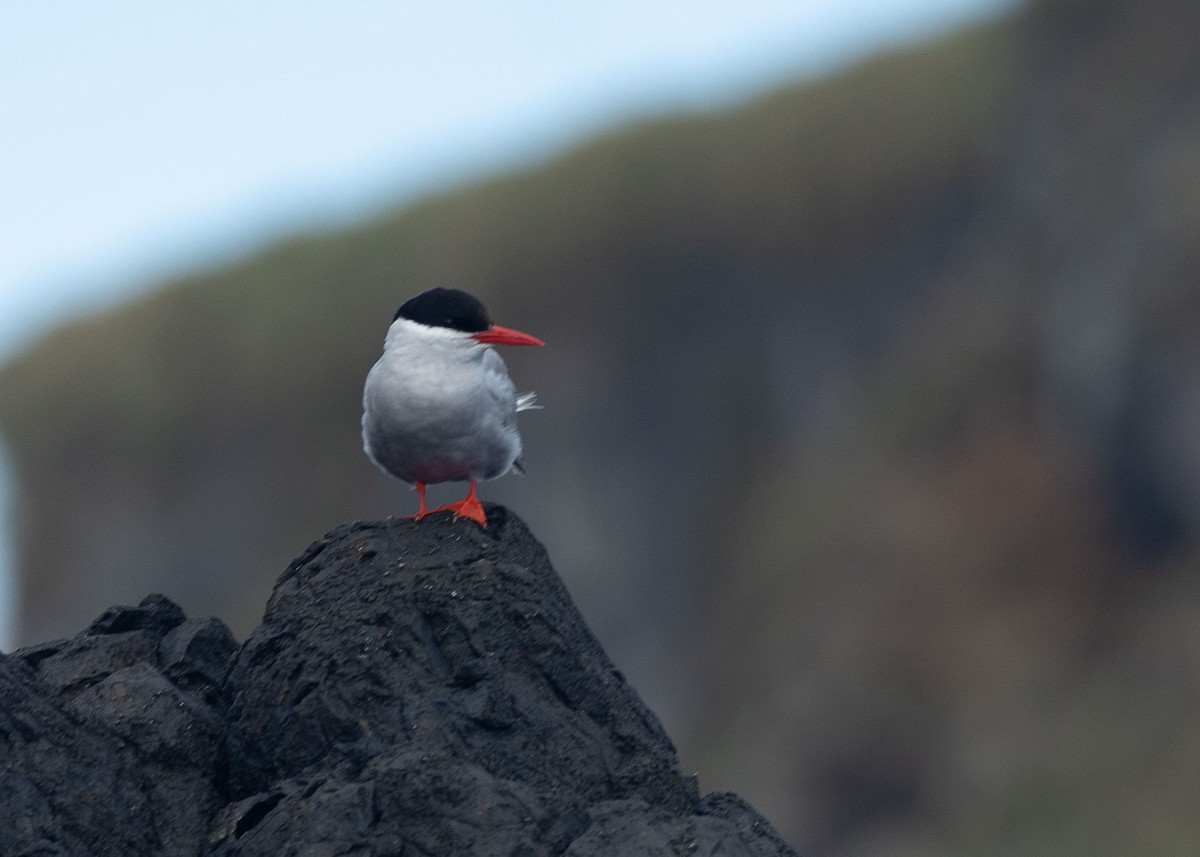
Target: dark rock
100 753
414 688
195 653
155 613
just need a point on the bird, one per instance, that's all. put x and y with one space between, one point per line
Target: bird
439 405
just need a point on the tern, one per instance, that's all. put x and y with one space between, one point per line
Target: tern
439 405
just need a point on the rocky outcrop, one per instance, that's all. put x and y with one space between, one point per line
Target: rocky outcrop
414 689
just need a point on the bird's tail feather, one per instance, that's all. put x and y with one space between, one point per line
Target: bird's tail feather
527 402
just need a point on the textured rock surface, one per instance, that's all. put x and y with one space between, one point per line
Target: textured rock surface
110 743
413 689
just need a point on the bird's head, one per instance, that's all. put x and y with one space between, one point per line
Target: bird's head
453 312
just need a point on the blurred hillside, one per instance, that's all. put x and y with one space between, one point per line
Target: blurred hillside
870 447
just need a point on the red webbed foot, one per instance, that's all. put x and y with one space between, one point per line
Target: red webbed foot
470 507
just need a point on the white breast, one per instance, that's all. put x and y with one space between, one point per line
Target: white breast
439 407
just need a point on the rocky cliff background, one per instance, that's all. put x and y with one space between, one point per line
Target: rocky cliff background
870 448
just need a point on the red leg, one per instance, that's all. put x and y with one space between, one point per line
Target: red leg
421 498
469 507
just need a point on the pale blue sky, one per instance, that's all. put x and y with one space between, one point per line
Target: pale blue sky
139 138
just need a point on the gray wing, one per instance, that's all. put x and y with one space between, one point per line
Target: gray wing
500 389
504 397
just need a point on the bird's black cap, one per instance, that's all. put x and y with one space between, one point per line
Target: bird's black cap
452 308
